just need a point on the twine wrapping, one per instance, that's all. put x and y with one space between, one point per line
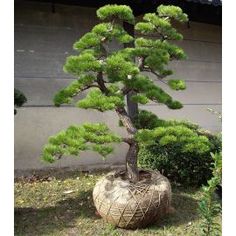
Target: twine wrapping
128 205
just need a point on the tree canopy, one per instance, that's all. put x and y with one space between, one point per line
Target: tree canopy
111 74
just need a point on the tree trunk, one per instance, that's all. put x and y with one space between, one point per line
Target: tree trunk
132 155
131 162
132 106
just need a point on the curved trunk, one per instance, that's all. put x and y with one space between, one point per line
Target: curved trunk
132 155
131 162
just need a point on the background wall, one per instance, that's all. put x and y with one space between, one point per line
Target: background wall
42 42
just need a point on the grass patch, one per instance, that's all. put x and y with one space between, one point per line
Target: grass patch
64 206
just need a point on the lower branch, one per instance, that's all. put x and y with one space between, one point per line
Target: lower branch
124 117
127 140
101 83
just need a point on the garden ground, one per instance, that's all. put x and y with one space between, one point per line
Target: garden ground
62 205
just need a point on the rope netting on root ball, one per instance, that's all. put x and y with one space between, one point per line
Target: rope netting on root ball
132 205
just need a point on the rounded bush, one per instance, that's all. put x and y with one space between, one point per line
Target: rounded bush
186 168
191 166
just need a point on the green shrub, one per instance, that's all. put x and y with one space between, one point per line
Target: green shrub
209 207
188 166
19 99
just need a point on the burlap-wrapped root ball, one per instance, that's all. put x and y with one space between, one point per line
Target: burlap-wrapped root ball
128 205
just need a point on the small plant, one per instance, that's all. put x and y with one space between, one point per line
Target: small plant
208 206
19 99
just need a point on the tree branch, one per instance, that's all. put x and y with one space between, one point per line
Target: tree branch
125 90
141 63
159 77
101 83
89 86
128 140
124 117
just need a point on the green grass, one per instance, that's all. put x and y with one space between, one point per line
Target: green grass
64 206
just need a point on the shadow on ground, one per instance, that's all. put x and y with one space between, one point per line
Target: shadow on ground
66 215
185 211
43 221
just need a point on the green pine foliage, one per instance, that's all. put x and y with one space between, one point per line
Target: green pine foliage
110 12
177 84
110 75
173 12
161 22
79 65
148 120
180 135
89 40
170 51
108 32
66 95
142 84
118 69
95 99
95 137
119 66
140 98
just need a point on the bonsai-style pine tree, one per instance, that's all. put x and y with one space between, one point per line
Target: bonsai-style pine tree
110 75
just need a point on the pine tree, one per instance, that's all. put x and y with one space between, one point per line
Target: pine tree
110 75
